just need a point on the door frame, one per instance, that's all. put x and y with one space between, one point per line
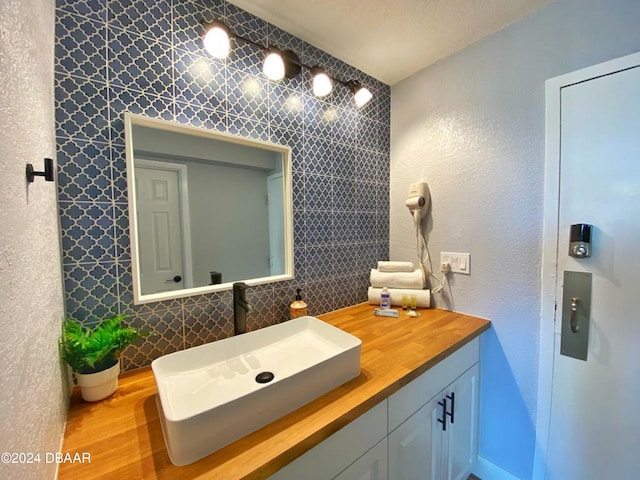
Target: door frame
185 219
553 88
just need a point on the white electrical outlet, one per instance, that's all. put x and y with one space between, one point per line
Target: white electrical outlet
458 262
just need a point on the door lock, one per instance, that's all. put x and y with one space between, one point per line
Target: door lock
580 240
576 313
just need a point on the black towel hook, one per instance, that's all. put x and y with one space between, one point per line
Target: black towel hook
47 174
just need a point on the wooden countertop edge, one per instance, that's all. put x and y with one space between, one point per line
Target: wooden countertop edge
270 448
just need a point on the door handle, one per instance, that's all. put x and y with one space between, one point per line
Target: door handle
443 420
176 279
452 414
573 316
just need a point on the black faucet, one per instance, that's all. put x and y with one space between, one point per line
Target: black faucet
240 308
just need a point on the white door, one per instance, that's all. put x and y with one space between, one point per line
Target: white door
159 230
595 407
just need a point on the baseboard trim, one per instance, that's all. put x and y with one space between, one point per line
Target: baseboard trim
487 470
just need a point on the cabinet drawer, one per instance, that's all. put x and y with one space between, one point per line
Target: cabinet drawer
333 455
408 400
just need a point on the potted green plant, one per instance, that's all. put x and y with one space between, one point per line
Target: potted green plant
94 354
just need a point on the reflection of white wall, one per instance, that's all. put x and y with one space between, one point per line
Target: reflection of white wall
176 145
32 403
229 220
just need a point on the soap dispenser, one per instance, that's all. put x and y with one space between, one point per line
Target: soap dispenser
298 306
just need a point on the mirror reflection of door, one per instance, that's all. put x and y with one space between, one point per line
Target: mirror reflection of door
160 225
227 229
275 201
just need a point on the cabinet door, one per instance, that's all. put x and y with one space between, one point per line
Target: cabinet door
371 466
415 446
459 441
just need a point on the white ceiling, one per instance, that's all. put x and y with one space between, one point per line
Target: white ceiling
390 39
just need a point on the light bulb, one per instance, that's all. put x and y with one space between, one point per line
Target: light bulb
273 66
322 83
216 41
362 96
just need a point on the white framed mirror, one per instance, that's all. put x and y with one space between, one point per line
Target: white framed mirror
206 209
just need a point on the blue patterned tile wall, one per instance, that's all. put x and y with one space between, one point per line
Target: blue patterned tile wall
146 57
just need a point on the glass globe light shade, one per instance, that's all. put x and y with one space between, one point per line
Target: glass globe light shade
216 41
322 83
362 95
273 66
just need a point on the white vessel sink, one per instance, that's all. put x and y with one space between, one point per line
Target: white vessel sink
208 396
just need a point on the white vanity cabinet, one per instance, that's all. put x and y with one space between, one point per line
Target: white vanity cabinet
370 466
427 430
433 421
356 451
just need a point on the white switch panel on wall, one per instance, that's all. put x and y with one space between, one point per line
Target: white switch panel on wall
458 262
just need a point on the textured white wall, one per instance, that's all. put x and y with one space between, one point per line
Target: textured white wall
32 401
472 126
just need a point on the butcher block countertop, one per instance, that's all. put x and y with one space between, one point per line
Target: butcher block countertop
124 439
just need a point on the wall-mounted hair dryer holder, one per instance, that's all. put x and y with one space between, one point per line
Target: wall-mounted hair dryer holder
419 199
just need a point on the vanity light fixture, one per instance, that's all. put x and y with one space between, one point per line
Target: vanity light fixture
273 66
279 64
292 65
322 83
217 39
361 94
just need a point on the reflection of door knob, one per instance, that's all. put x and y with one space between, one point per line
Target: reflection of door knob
574 318
176 279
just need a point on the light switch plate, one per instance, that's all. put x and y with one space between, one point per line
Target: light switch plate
459 262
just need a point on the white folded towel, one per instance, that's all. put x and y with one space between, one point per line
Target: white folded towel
387 266
423 297
397 279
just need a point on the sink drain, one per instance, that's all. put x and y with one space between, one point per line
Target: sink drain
264 377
